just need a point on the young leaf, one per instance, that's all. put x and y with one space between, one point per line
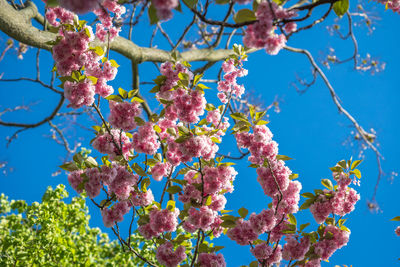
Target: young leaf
243 212
327 183
244 15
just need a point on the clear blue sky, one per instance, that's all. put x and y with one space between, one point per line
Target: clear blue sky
308 129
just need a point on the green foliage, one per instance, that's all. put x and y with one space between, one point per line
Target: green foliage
54 233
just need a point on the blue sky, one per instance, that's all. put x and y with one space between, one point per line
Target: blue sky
309 129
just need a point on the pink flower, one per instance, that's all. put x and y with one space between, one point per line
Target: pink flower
263 222
262 251
242 233
80 7
164 220
106 144
75 180
79 94
123 115
294 250
273 177
160 170
145 140
397 231
115 213
202 218
167 256
211 260
327 246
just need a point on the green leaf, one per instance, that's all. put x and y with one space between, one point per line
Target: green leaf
116 98
244 15
253 264
137 99
308 195
98 50
123 92
397 219
171 205
341 7
307 204
69 166
303 226
114 63
239 116
327 183
292 219
355 164
243 212
283 157
222 2
228 224
190 3
91 162
139 121
209 200
52 3
138 169
132 93
152 12
92 79
182 138
357 173
174 189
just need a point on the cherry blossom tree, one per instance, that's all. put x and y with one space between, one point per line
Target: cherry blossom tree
174 137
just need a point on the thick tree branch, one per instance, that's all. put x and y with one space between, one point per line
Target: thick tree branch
17 25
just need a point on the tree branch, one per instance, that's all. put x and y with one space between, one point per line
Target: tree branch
17 25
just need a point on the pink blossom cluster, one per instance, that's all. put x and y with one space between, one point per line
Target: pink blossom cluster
80 7
106 144
70 52
187 107
260 144
242 233
262 34
289 203
211 260
267 254
142 199
145 140
397 231
164 8
216 182
313 263
122 115
327 245
274 177
228 86
79 93
106 30
202 218
58 15
391 4
167 256
122 183
339 202
193 147
119 181
160 221
160 170
115 213
171 73
295 250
